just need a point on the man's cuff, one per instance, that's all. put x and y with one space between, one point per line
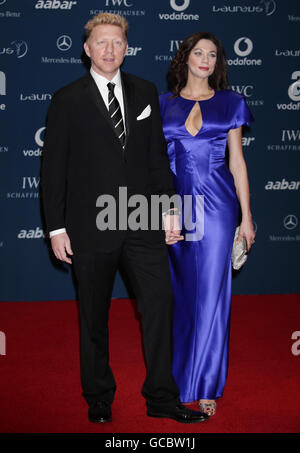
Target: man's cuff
55 232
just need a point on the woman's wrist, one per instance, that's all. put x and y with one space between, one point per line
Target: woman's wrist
247 217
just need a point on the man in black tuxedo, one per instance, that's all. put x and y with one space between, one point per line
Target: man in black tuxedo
104 133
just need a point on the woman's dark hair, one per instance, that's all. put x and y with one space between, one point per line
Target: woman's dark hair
178 71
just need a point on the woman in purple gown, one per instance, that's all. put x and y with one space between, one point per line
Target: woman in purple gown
200 116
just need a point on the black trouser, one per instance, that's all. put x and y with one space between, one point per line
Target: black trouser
147 267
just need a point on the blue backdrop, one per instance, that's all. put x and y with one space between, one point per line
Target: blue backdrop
40 51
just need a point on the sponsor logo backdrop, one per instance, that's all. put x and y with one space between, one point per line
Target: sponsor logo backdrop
41 50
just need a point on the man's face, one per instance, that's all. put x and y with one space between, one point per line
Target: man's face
106 47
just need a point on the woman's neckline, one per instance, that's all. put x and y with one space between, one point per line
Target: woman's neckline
198 100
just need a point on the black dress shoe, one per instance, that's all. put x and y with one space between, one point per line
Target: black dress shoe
179 413
100 412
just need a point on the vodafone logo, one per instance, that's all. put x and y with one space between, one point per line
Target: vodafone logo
179 6
38 137
243 46
184 5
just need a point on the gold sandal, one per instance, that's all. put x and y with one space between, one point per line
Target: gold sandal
208 408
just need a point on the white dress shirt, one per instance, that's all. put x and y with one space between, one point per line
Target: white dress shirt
101 83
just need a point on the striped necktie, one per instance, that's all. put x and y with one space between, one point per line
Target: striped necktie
115 113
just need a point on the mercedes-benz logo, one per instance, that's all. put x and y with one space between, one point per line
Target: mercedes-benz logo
64 43
2 2
290 222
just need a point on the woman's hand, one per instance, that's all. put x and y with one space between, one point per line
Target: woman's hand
246 231
172 229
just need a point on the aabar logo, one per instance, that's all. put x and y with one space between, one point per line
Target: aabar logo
55 4
132 51
37 233
282 185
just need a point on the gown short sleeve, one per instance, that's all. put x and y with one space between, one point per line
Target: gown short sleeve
240 111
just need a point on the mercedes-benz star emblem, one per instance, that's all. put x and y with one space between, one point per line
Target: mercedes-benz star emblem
290 222
2 1
64 43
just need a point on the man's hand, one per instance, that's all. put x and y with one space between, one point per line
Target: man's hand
172 229
61 246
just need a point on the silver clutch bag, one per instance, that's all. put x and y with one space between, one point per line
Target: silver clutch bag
239 251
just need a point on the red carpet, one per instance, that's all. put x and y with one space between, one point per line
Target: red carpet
40 385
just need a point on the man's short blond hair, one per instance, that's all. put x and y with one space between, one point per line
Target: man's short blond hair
106 19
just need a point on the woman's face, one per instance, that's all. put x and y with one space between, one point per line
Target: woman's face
202 59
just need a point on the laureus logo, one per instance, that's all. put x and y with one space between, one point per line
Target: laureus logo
21 48
269 6
18 48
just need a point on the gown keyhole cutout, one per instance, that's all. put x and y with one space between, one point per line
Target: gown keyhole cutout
194 121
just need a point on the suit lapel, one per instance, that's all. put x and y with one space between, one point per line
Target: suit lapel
129 105
94 95
128 97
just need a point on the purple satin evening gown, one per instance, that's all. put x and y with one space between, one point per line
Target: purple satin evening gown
201 266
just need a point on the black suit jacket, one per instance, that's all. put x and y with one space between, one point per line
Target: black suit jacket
83 158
